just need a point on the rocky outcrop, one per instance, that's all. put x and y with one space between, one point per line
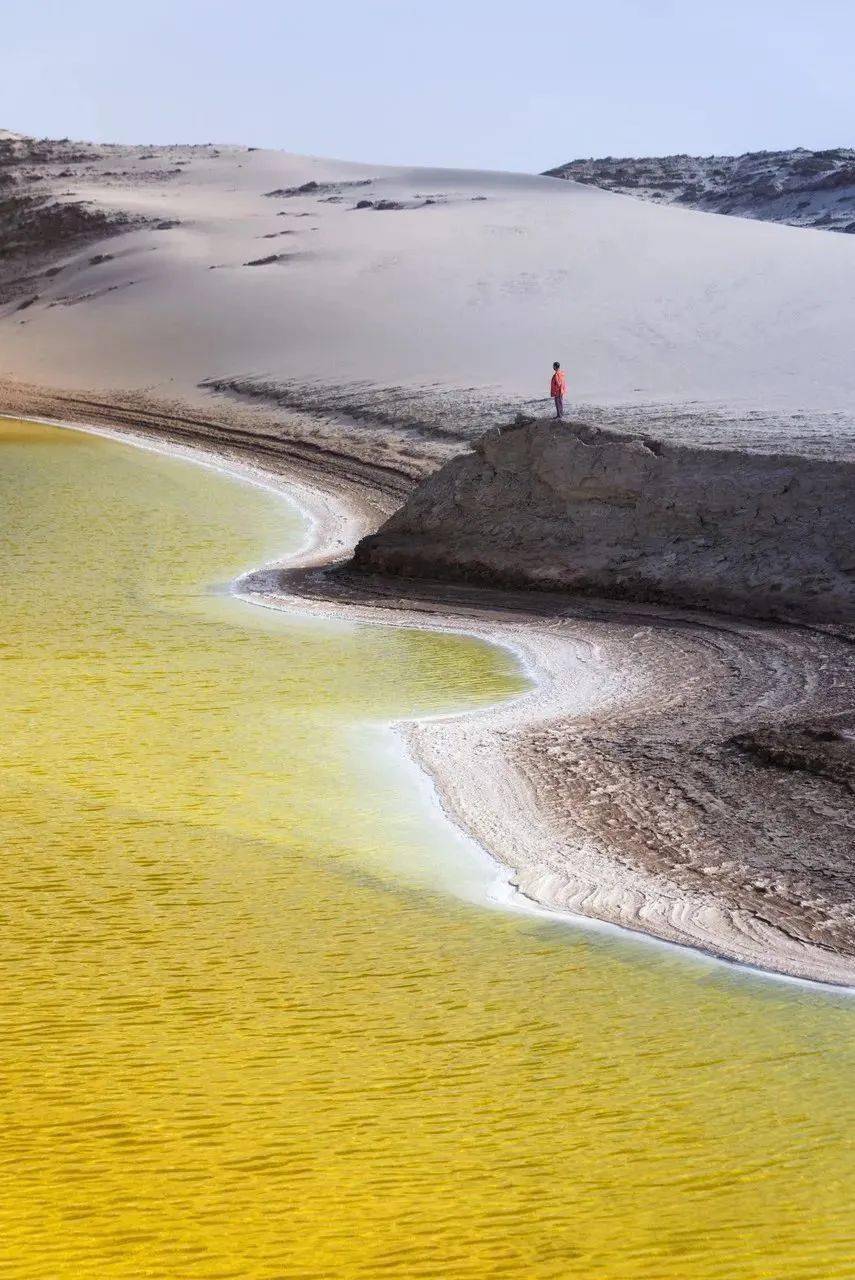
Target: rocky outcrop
568 507
798 187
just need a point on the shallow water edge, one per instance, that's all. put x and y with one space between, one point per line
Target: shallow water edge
535 871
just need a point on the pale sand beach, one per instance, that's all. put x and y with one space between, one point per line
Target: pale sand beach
675 773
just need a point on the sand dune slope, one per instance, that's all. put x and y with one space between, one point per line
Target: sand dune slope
709 326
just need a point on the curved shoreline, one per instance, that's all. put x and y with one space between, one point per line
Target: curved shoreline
583 666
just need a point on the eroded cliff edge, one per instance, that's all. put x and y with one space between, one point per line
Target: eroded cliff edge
565 506
709 798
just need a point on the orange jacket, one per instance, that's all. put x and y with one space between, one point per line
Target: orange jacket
558 386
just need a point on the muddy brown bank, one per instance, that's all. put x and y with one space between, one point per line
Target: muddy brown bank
687 774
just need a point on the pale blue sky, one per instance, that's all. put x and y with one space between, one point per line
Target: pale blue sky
519 85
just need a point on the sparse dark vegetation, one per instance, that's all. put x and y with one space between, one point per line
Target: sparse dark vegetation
765 185
37 225
317 188
265 262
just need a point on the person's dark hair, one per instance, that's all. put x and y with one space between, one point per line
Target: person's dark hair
555 364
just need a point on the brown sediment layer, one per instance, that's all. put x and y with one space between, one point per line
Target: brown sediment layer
631 784
565 506
372 470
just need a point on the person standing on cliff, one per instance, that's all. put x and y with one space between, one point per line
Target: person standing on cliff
558 389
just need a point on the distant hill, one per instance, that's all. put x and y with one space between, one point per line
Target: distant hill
801 188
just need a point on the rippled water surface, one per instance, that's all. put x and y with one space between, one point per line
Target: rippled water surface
257 1020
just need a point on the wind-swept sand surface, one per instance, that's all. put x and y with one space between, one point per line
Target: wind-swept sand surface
685 775
439 305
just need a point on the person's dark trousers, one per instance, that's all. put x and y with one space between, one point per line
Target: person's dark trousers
559 406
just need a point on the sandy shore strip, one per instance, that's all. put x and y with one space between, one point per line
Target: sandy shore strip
549 783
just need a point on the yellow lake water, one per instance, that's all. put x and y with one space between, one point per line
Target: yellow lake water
259 1019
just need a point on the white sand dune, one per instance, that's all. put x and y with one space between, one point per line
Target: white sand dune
646 306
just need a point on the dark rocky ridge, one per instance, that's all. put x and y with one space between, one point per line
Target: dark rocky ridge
801 188
40 219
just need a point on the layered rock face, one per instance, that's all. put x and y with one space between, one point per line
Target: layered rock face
564 506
